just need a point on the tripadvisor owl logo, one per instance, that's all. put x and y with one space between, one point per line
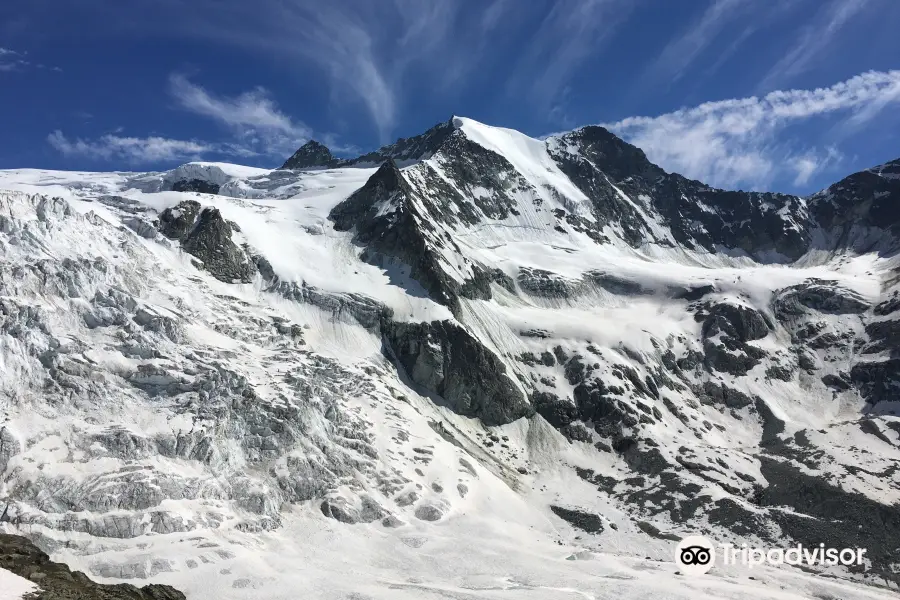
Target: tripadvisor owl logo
695 555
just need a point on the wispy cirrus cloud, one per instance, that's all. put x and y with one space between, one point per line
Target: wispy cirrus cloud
568 34
684 49
253 116
815 38
368 51
383 56
804 166
257 128
133 150
744 141
11 60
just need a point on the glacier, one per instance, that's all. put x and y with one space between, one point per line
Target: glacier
471 364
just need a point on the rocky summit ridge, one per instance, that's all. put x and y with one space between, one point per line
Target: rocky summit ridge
464 345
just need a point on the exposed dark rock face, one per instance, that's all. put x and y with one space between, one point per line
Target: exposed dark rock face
714 393
653 531
206 235
877 380
57 582
693 293
386 188
309 155
579 519
727 329
817 295
176 222
363 309
195 185
537 282
9 447
559 412
841 519
615 284
210 241
313 154
698 216
395 225
742 323
447 360
339 509
385 219
418 147
772 425
864 199
884 336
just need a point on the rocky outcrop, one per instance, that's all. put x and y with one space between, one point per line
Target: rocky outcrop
727 328
9 447
867 199
340 509
537 282
313 154
206 235
817 295
345 307
195 185
310 155
210 241
176 222
56 581
877 380
698 216
840 519
740 322
585 521
417 147
385 218
445 359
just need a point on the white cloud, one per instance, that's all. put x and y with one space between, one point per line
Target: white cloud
806 165
744 141
10 60
253 116
257 126
133 150
367 50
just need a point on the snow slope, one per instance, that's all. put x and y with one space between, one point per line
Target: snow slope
13 587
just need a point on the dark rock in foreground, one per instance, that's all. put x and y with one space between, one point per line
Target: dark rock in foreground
57 582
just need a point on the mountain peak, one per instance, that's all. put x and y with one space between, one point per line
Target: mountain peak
311 154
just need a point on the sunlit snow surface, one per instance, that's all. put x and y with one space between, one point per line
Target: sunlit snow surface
497 539
13 587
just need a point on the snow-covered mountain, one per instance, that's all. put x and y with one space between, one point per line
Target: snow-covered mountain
471 364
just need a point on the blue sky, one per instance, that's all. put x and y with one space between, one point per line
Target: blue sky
786 95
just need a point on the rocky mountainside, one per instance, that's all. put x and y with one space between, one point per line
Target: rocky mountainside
57 582
466 362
